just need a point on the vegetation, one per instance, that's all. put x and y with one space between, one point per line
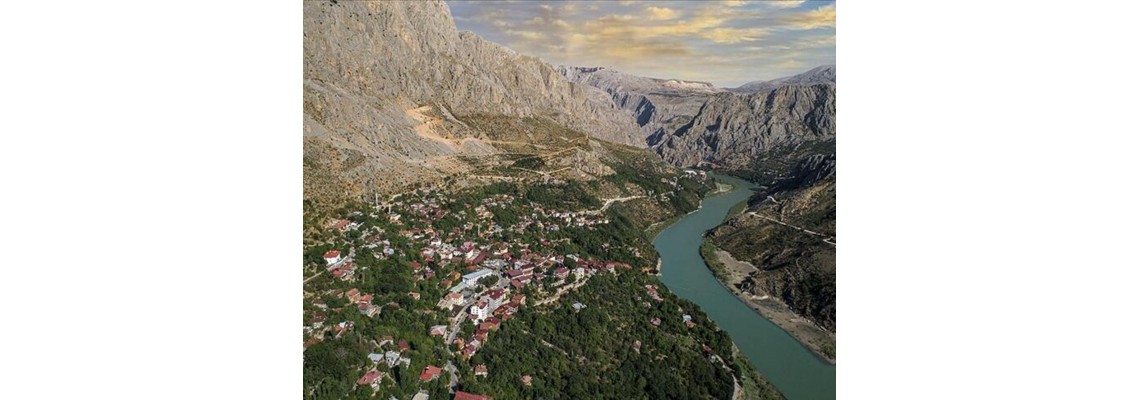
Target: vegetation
591 353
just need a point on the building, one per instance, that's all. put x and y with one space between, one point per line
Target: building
332 257
479 311
461 395
369 378
452 299
472 278
438 330
429 373
481 370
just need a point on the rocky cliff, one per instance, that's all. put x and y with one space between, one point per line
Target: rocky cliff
731 130
692 123
658 105
388 85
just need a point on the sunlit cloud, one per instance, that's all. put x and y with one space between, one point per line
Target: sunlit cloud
661 13
785 3
693 40
822 17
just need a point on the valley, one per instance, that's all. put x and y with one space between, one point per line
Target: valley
478 222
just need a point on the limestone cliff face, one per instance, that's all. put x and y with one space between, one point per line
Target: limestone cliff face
658 105
388 83
692 123
732 130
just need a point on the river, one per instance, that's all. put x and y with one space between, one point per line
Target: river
794 370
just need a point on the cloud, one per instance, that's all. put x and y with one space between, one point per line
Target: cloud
822 17
665 39
661 13
734 35
733 3
785 3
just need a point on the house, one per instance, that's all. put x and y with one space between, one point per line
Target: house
392 358
341 224
429 373
495 298
479 310
461 395
369 378
655 321
376 357
332 257
468 351
562 272
414 295
481 370
422 395
438 330
369 310
352 295
526 380
450 300
403 345
518 299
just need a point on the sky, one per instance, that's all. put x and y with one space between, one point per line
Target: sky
727 43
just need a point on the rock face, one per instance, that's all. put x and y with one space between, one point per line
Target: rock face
817 75
692 123
732 130
658 105
387 86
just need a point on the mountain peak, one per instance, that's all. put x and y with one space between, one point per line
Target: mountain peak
821 74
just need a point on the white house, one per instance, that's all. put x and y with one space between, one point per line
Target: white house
479 311
332 257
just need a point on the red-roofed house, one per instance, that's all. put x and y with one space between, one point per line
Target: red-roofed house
403 345
461 395
369 378
429 373
481 370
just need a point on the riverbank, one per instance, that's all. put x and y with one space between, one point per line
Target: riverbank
727 269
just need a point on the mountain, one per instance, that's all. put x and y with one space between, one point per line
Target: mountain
821 74
731 130
390 89
694 123
658 105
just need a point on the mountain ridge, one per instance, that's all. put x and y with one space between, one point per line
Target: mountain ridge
387 84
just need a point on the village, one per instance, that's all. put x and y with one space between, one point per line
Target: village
469 275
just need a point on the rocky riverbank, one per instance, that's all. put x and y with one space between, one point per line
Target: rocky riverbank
730 271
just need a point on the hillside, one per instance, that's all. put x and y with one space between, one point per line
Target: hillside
795 266
387 86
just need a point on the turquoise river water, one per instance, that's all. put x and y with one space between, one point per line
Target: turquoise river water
793 369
